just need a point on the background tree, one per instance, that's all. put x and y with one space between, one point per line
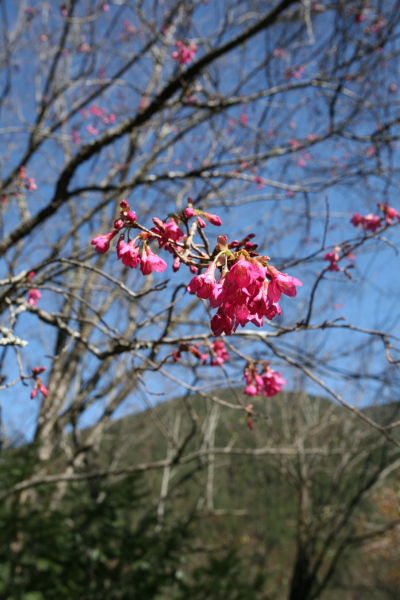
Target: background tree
282 118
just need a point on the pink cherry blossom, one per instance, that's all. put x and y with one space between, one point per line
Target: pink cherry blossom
92 130
189 212
33 296
281 283
102 242
221 353
150 262
31 184
202 285
333 258
184 53
273 382
129 254
167 231
250 390
372 222
389 212
357 219
221 323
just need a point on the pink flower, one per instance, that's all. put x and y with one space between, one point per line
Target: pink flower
281 283
202 285
189 212
129 254
389 212
250 390
221 323
167 231
259 181
372 222
357 219
176 265
244 272
184 53
33 393
333 257
92 130
273 382
31 184
221 353
33 297
151 262
102 242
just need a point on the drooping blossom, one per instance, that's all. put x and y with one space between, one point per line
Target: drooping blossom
221 323
184 53
102 242
221 353
189 212
333 258
372 222
202 285
389 212
268 384
242 295
33 296
273 382
167 231
357 219
129 253
150 262
281 283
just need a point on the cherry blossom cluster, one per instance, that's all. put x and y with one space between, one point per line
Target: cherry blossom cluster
100 115
22 182
38 382
167 233
218 356
184 53
373 222
269 383
248 289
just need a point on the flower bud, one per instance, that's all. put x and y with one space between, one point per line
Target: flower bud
37 370
189 212
124 205
118 224
193 269
131 217
200 221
